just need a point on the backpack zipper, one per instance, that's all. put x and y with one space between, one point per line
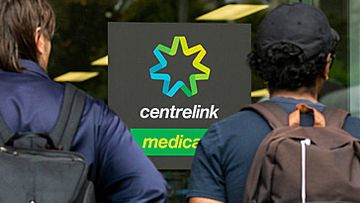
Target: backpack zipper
304 143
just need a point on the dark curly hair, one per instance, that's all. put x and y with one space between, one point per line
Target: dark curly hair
284 66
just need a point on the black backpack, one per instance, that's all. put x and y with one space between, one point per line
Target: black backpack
38 167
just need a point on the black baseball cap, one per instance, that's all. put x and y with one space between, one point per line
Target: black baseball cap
302 25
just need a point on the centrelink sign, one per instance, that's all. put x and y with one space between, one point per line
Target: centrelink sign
170 81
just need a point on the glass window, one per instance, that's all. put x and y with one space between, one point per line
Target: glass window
81 38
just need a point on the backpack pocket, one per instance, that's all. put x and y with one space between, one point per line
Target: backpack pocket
41 176
300 170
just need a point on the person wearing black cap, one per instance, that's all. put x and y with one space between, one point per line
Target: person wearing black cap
293 53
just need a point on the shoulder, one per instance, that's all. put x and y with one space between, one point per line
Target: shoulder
352 125
237 136
94 107
224 156
241 119
101 117
243 122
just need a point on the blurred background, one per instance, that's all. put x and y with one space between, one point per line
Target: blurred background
79 52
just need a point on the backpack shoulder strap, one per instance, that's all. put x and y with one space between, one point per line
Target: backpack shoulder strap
5 132
69 117
335 117
272 112
276 117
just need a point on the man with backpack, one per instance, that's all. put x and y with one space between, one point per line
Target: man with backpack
291 148
50 138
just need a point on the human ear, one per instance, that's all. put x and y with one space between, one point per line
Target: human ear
327 66
40 41
43 48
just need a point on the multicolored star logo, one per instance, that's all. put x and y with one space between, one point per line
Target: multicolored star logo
187 52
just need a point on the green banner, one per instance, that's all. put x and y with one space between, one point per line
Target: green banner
168 141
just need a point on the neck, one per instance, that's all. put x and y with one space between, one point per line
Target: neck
299 94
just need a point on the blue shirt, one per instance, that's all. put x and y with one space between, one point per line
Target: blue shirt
31 101
223 157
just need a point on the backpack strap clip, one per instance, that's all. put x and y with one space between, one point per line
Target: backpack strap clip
294 117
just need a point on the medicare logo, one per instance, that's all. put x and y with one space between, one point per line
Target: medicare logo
198 49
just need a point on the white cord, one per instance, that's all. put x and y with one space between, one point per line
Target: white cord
303 168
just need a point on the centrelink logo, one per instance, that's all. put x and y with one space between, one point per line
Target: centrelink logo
193 78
